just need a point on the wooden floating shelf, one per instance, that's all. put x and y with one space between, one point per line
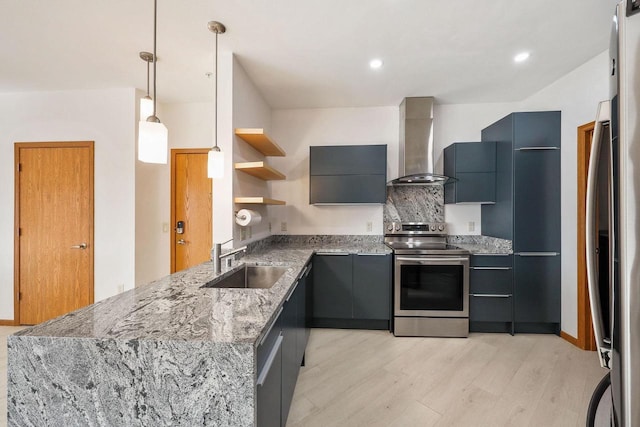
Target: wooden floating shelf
260 170
258 201
260 141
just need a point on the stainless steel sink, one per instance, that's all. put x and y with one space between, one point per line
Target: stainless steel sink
250 277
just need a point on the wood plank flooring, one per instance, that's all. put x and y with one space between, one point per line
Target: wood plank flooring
371 378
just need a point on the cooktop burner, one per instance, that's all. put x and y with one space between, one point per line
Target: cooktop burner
420 238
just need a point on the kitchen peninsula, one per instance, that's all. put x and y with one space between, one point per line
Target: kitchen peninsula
167 353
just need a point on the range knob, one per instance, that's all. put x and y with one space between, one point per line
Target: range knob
397 227
441 227
390 227
433 228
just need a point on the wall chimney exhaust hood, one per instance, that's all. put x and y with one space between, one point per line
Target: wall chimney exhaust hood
416 144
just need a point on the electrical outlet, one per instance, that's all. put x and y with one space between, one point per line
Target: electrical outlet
250 232
243 233
165 227
369 226
283 226
121 288
269 227
472 226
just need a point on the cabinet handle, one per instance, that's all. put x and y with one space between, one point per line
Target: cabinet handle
491 254
537 148
272 356
264 338
292 290
537 253
490 295
372 254
309 267
333 253
490 268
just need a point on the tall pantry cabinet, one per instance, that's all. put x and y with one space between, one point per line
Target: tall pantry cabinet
527 211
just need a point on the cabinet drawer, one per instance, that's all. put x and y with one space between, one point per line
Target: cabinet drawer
265 346
490 308
491 280
493 260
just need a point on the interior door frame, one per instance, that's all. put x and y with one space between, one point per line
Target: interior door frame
585 340
16 214
172 208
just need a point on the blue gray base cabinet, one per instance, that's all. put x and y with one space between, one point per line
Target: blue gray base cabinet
527 211
280 355
491 293
352 290
348 174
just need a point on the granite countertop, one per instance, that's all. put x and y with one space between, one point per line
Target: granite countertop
177 308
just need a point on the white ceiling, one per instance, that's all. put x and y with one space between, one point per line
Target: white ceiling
302 54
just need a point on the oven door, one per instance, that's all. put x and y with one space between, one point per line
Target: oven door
431 286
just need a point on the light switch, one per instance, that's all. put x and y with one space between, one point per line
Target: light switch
165 227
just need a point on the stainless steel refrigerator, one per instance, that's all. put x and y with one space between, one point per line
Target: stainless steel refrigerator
613 228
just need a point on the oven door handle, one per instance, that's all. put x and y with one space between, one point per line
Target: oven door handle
423 260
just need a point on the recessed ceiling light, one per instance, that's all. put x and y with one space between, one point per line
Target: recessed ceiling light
375 63
521 57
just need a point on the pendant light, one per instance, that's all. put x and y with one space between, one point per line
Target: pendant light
215 163
146 103
152 134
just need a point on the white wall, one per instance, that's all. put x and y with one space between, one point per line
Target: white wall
296 131
250 110
106 117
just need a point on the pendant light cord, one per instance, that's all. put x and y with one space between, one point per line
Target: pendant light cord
148 67
155 58
215 116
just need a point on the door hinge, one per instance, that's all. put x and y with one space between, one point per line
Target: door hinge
19 167
19 231
19 295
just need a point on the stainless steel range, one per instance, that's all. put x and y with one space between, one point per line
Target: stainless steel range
431 281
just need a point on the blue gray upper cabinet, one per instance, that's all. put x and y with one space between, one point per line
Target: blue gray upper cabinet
348 174
473 165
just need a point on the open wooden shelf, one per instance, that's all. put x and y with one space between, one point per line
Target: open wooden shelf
260 141
258 201
260 170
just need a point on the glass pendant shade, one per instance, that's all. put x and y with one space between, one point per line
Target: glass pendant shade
215 163
146 107
152 142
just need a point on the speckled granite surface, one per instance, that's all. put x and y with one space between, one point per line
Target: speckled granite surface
482 244
167 353
414 203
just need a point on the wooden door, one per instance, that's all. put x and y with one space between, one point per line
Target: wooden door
53 229
585 339
191 204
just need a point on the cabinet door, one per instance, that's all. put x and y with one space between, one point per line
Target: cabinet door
332 290
536 201
537 129
290 363
347 189
372 286
348 160
490 308
269 389
537 289
301 300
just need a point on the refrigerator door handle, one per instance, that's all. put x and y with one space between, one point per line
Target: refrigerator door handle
604 348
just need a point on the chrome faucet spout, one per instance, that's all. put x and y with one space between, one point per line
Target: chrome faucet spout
218 255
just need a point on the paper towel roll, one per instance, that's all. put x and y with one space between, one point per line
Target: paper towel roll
246 217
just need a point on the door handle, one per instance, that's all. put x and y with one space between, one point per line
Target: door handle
80 246
182 242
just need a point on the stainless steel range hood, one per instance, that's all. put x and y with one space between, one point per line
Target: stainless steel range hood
416 144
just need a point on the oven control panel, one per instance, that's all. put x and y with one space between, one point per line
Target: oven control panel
416 228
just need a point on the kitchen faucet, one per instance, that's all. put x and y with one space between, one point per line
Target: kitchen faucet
218 255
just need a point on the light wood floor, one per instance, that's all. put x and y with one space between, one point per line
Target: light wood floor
371 378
